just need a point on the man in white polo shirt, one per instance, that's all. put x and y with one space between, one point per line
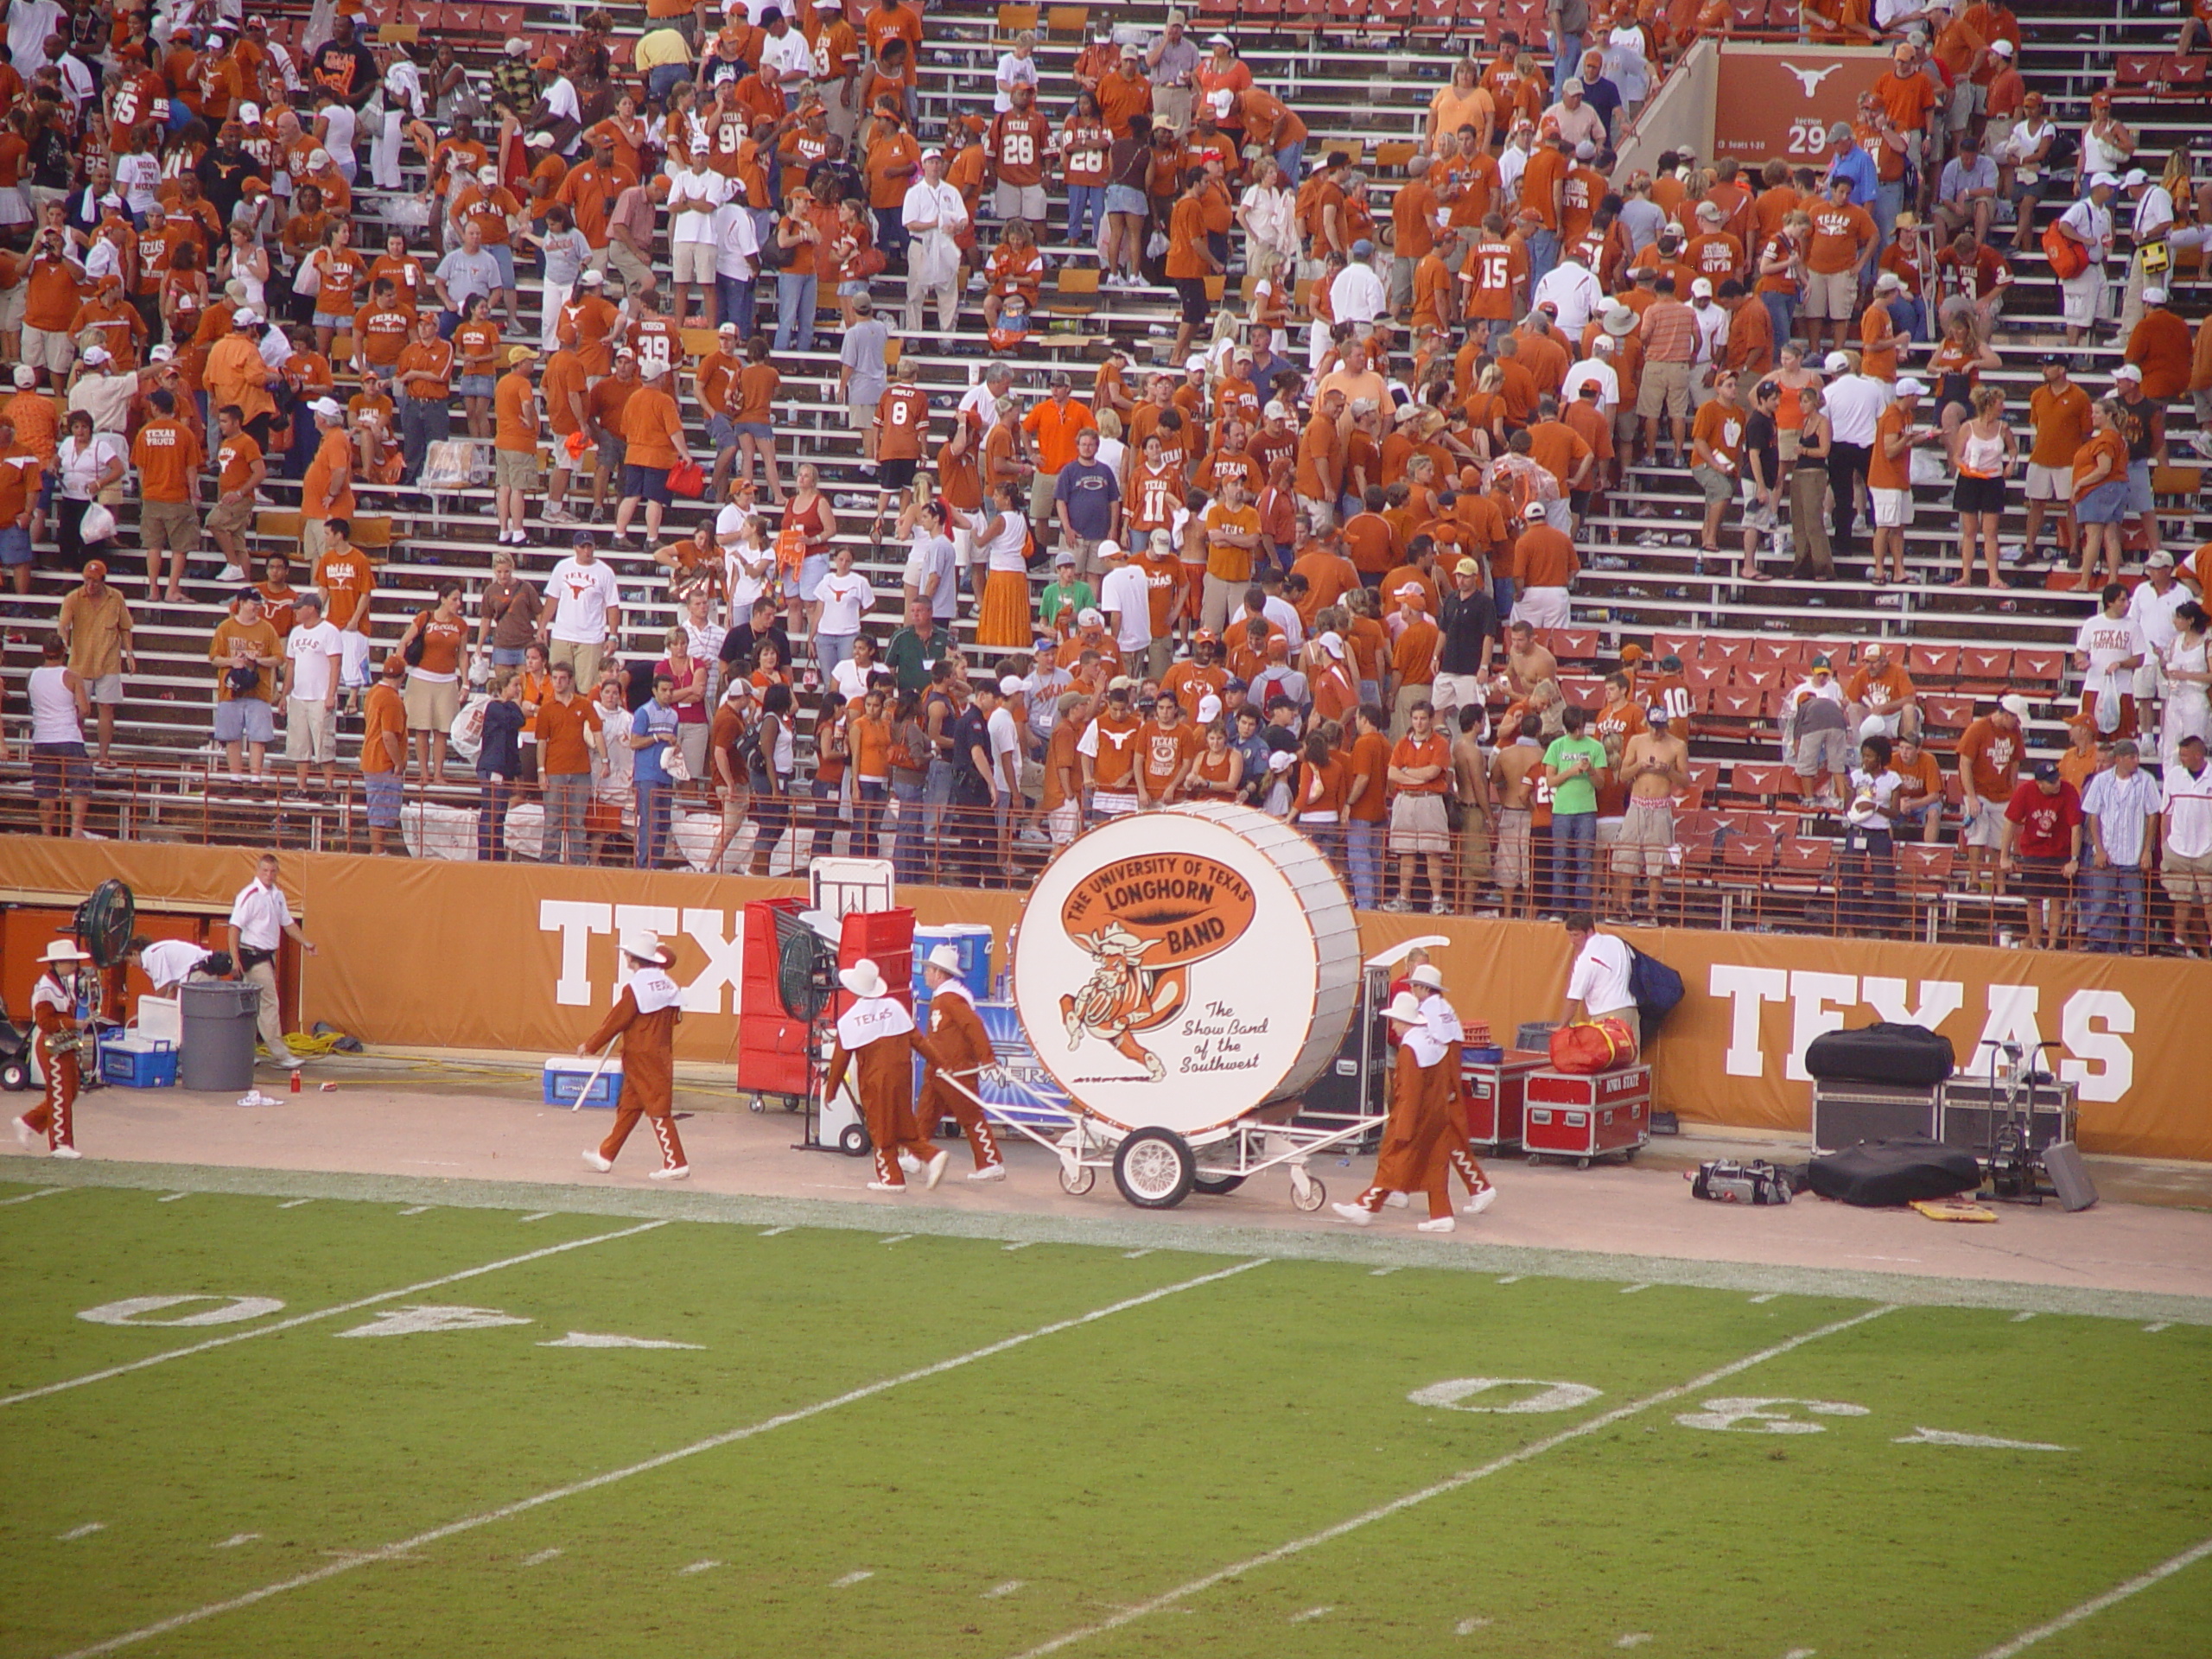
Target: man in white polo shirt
1597 981
260 919
2185 825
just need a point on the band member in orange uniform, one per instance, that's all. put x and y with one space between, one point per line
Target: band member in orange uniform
1454 1149
54 1041
644 1017
1418 1111
875 1041
954 1051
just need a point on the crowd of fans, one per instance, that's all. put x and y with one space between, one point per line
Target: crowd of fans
1309 561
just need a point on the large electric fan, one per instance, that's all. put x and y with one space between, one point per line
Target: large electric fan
102 924
806 969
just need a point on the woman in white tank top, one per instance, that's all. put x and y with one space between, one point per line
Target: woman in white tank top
1984 449
58 763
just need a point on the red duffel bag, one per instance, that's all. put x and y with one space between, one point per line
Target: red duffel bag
1591 1045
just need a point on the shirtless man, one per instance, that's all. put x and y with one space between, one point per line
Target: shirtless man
1654 764
1527 663
1513 772
1477 811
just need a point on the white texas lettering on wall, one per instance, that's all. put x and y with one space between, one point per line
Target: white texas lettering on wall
2094 1026
718 933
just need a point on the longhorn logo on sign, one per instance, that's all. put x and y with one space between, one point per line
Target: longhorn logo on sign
1144 922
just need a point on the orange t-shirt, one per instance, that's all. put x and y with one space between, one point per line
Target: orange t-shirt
168 456
1434 751
2106 442
384 713
562 749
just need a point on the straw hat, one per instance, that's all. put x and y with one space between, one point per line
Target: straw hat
642 944
862 979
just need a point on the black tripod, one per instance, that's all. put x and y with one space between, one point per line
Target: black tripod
2016 1168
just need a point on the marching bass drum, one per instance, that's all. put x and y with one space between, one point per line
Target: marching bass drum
1177 969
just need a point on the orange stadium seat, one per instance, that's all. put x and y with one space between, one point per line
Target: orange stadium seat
1923 876
1761 781
1726 651
1982 666
1704 778
1946 714
2038 671
1929 664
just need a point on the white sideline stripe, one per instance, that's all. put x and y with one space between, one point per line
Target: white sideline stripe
729 1437
541 1216
172 1198
294 1204
1767 1297
297 1320
1023 1245
895 1238
236 1539
84 1531
540 1558
2095 1605
1510 1278
851 1578
420 1209
1311 1614
773 1231
1631 1290
697 1567
1006 1589
1380 1273
1450 1484
2022 1318
26 1197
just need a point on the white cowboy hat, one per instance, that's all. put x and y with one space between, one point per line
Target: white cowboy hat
946 959
1428 977
64 950
1405 1010
642 944
862 979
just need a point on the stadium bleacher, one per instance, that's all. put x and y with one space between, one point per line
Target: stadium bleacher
1359 73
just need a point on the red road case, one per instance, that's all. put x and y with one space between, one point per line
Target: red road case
1495 1090
1577 1116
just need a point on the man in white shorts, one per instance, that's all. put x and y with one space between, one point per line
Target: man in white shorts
312 654
2087 223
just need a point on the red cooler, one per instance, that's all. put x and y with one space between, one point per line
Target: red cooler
1495 1092
1571 1114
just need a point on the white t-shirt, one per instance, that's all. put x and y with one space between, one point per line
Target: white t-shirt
851 680
737 243
789 53
166 962
933 571
139 177
844 599
314 653
2153 613
1013 71
1598 980
580 594
2186 803
1006 739
695 227
2106 640
1128 592
261 915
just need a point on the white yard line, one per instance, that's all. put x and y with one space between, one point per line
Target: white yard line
298 1319
541 1557
417 1209
2095 1605
172 1198
84 1531
729 1437
1510 1278
773 1231
26 1197
543 1214
1452 1484
851 1578
294 1204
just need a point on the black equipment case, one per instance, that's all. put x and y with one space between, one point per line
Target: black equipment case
1880 1172
1900 1055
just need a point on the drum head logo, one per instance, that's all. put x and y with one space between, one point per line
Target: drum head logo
1146 922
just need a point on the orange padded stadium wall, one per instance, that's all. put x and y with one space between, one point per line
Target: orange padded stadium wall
519 957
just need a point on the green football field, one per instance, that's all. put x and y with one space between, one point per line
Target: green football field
448 1439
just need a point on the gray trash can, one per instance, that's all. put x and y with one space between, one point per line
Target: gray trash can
218 1018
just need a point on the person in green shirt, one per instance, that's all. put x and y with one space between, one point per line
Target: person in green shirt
1574 766
917 647
1068 594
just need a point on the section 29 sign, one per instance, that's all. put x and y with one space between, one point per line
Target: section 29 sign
1778 102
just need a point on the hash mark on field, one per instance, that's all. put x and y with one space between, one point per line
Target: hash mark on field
84 1531
26 1197
1469 1626
2153 1330
895 1238
540 1558
1311 1613
1023 1245
697 1567
2022 1318
171 1197
323 1314
1801 1653
1131 1255
1172 1598
419 1209
541 1216
1767 1297
1006 1589
1510 1278
1631 1290
236 1539
1380 1273
1634 1639
294 1204
2091 1609
861 1576
773 1231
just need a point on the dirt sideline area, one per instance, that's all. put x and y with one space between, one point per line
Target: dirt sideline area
470 1130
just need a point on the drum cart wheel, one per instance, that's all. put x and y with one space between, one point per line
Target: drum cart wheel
1155 1169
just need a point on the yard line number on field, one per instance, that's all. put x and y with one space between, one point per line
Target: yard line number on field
297 1320
348 1562
1604 1420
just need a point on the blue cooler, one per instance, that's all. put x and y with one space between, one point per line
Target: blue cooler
564 1081
136 1062
972 940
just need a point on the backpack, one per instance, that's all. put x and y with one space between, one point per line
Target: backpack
2068 257
750 754
1656 989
